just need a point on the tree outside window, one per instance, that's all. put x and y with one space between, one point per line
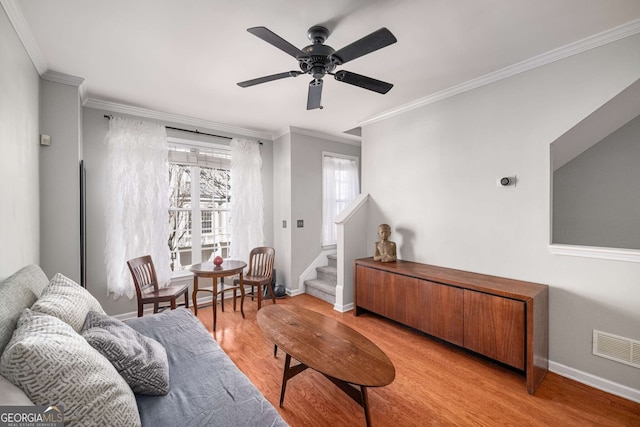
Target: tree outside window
199 213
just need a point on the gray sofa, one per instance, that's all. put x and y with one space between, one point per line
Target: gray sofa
205 386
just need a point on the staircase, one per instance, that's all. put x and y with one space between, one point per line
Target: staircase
324 285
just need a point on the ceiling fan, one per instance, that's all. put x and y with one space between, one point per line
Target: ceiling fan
319 59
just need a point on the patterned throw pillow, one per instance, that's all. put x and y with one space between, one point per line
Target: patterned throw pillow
65 299
53 364
140 360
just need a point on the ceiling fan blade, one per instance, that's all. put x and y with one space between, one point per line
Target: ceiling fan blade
269 78
274 39
374 41
363 81
315 94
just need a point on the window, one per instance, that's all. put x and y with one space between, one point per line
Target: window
340 187
199 211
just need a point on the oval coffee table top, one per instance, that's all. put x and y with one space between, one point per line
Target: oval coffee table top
326 345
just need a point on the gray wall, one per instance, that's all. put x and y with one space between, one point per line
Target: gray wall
60 117
95 128
306 197
282 207
20 148
596 200
442 202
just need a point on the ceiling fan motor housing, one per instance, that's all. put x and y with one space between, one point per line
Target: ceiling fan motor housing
317 57
318 34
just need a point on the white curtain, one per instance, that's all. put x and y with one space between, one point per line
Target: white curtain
247 200
137 201
340 187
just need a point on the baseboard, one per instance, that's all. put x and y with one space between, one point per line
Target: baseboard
133 314
295 292
310 271
343 308
595 382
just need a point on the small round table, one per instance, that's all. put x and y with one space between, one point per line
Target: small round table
210 270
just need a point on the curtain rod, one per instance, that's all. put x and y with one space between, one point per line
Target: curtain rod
187 130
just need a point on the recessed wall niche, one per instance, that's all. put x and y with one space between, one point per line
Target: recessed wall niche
595 180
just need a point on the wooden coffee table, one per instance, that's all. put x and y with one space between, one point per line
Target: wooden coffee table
332 348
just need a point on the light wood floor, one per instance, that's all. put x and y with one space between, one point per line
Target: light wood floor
436 384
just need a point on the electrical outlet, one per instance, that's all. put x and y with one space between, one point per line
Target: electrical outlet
300 223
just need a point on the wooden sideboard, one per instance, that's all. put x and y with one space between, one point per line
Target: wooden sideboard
504 319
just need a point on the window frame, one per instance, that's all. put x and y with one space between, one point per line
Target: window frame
196 209
356 159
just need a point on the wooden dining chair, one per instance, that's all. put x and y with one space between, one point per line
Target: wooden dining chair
260 273
147 289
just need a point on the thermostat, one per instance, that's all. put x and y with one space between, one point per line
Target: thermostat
506 181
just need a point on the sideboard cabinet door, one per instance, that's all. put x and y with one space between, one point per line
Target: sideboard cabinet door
429 307
390 295
371 288
495 326
440 311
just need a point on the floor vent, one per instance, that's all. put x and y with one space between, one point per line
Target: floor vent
620 349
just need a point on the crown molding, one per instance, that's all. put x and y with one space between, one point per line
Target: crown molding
280 133
66 79
225 130
592 42
347 139
24 34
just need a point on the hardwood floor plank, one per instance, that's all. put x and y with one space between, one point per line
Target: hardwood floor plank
436 384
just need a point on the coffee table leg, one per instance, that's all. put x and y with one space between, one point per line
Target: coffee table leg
365 405
285 378
289 372
360 397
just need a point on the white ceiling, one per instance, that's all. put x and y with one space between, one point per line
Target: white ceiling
185 57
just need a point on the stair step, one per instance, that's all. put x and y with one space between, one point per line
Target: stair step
321 289
321 285
328 274
333 260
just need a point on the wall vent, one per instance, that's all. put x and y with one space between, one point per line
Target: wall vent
620 349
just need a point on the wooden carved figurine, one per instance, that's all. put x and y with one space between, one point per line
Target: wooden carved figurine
385 249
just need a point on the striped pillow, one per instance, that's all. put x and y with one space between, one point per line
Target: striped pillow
140 360
65 299
54 365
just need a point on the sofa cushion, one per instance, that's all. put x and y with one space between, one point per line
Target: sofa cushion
53 364
17 292
140 360
65 299
207 388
